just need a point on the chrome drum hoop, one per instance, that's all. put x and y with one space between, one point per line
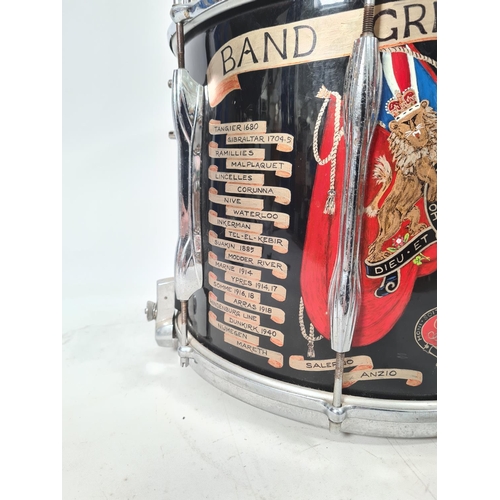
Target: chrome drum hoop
358 415
194 13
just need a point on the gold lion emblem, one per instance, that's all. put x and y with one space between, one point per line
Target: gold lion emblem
413 144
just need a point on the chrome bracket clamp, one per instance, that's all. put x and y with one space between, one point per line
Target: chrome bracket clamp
163 312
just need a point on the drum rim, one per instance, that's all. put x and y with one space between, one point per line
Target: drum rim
358 415
198 14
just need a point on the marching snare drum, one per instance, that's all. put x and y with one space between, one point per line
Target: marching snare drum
259 105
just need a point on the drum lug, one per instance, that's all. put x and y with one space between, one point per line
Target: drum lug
362 86
163 312
188 107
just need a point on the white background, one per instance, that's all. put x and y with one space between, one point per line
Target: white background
120 168
124 401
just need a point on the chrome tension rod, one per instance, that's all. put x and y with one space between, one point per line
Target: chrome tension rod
361 106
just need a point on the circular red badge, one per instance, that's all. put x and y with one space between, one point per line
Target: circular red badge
426 332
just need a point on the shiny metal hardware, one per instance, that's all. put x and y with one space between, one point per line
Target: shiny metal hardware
192 14
188 107
163 311
188 100
180 13
361 106
185 11
184 350
358 415
189 11
150 310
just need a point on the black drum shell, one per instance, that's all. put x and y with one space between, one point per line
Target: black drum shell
285 98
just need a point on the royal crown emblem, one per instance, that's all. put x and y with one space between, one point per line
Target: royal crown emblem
402 103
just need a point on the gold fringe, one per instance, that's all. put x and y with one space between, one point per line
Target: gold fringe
330 203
